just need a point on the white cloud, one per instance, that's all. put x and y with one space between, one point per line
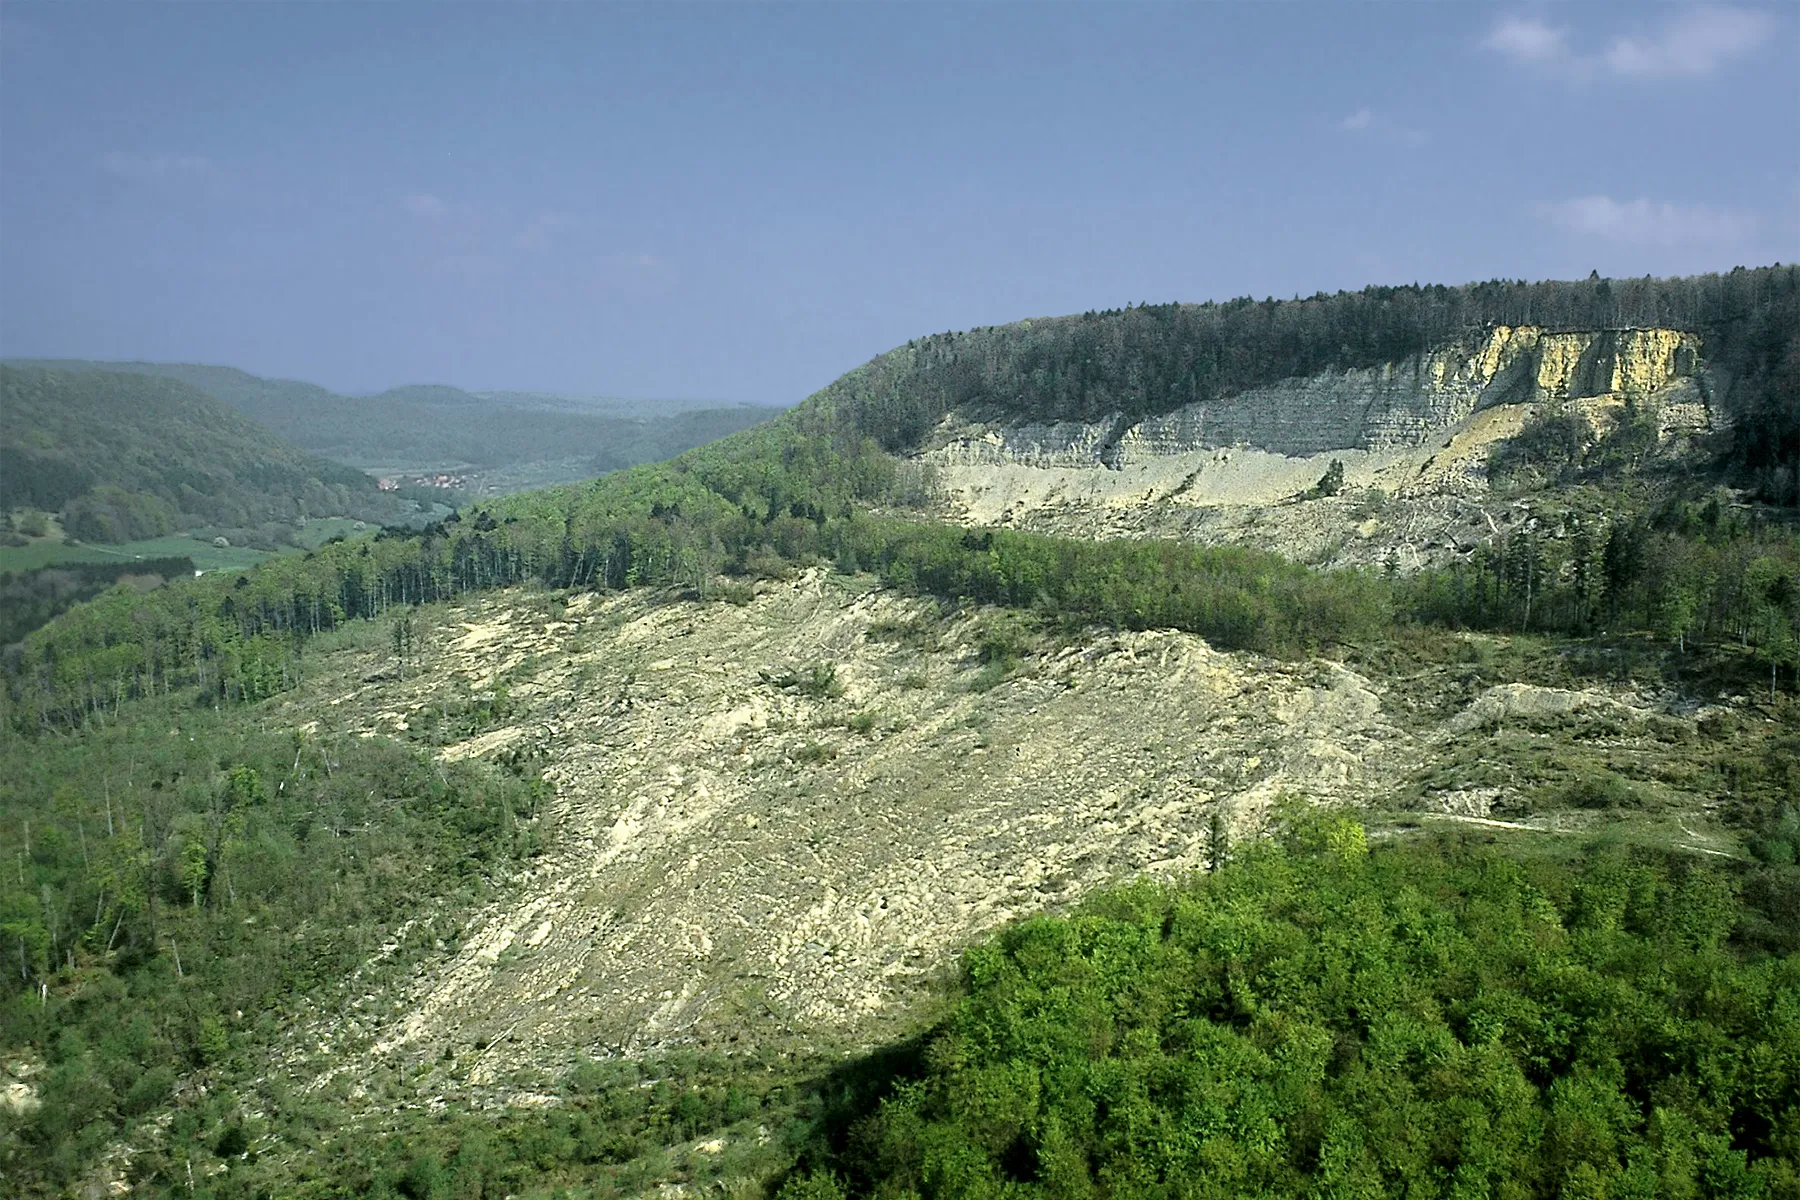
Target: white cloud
1528 40
424 204
1641 222
1366 122
1695 42
1690 42
154 166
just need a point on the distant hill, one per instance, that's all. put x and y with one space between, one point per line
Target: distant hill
126 456
430 426
265 401
610 406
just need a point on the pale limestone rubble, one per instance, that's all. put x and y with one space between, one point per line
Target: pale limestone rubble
730 863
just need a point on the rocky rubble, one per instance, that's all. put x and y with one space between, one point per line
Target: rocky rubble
738 862
775 824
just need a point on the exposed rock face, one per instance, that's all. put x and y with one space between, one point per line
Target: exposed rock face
19 1098
1375 408
1523 702
1419 430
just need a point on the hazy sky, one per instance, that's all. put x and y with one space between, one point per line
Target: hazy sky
742 202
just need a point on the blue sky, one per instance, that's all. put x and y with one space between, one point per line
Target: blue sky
742 202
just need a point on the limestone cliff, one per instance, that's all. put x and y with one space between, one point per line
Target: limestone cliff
1418 430
1379 408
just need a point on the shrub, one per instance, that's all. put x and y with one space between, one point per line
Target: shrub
990 676
213 1042
815 754
734 592
1781 845
1603 791
1330 483
912 631
1372 503
149 1090
815 1185
818 681
999 648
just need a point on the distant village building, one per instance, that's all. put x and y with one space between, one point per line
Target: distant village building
439 480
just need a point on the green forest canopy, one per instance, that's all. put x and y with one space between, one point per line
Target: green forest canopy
1427 1020
127 457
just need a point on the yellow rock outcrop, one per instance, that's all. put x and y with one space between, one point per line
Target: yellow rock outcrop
1565 366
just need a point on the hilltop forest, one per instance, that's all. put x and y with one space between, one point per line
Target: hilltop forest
1318 1015
1154 358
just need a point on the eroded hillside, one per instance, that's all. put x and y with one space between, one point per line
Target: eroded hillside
1414 439
774 823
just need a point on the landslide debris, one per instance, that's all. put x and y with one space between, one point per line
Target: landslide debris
775 823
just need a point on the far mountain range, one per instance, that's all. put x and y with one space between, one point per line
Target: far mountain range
497 440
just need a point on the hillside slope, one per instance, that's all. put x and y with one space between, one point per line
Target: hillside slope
771 821
1205 421
126 456
770 826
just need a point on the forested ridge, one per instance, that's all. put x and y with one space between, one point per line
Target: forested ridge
1154 358
126 457
422 426
1681 563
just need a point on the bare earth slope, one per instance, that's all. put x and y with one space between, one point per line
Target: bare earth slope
733 861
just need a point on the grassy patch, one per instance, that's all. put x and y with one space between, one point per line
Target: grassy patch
205 556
